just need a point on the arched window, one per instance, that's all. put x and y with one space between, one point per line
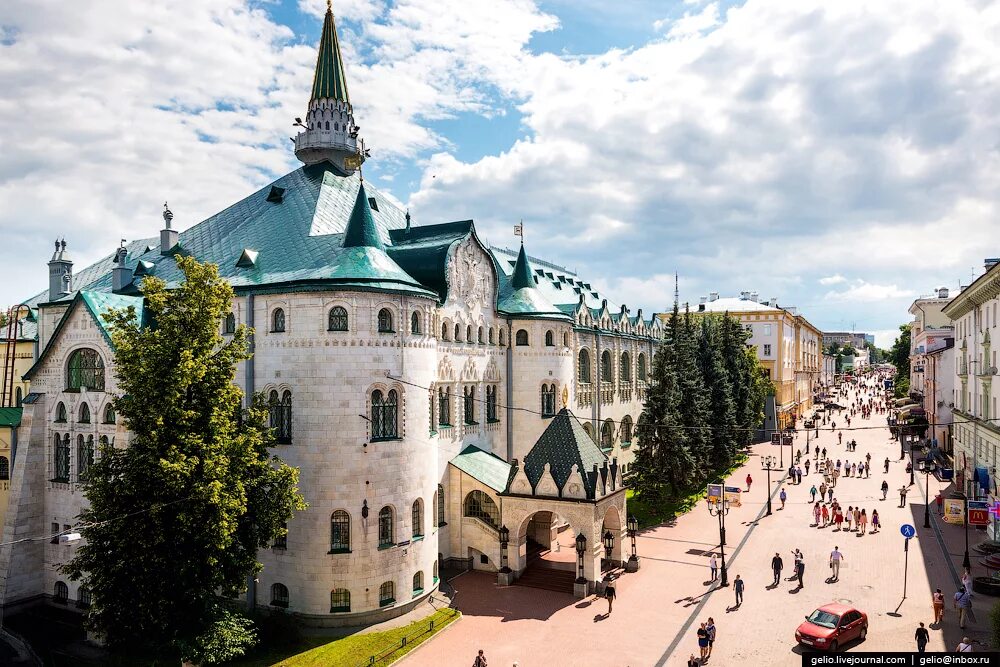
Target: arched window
642 367
440 506
548 400
340 600
84 414
565 340
521 337
444 331
415 323
280 412
4 468
60 593
589 428
103 442
386 594
583 367
418 517
444 407
458 333
109 414
606 366
84 456
503 337
385 531
480 506
385 415
625 372
278 321
61 467
608 434
83 597
229 327
279 595
468 335
418 583
493 336
626 430
469 394
85 371
61 413
337 319
480 338
385 321
434 571
491 403
18 397
550 340
340 532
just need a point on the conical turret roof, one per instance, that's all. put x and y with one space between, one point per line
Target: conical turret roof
329 82
361 230
522 297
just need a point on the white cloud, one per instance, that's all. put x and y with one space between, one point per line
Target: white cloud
861 291
832 280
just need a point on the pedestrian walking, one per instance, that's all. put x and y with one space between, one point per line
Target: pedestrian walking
940 504
824 452
829 493
480 660
868 458
863 522
826 516
713 567
967 581
817 451
868 470
816 513
937 600
902 496
749 482
963 603
835 559
776 567
711 635
964 646
849 517
807 466
922 637
609 595
886 466
875 522
885 489
738 589
800 570
822 490
812 494
838 518
703 641
782 497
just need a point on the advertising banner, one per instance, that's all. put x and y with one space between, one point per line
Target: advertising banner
954 510
979 513
733 494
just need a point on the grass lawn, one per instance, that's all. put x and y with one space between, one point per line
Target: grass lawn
650 515
353 650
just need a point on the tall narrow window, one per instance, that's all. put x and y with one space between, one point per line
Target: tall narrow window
503 337
340 532
493 336
83 597
608 434
340 600
470 404
85 370
278 320
418 583
549 339
444 331
337 320
626 430
417 513
642 367
279 595
385 531
583 367
109 414
230 324
481 341
468 335
18 397
491 403
415 323
61 413
281 541
548 400
625 370
280 414
84 414
444 407
458 333
385 321
386 594
61 467
4 468
440 506
60 593
521 338
385 415
606 366
84 457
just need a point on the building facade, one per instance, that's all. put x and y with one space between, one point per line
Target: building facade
436 393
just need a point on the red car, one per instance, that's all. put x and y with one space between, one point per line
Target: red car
831 626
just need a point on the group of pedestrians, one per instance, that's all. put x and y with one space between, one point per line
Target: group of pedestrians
706 641
855 518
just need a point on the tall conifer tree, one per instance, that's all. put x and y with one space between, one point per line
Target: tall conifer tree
723 435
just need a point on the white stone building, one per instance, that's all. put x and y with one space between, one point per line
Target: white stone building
431 389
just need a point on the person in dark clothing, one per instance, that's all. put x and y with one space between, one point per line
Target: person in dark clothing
609 595
922 638
776 566
799 571
480 660
738 589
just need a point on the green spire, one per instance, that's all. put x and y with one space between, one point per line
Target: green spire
361 230
329 81
521 277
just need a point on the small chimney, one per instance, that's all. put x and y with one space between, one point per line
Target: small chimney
60 272
701 307
942 292
121 275
755 296
744 296
713 296
990 262
774 302
168 236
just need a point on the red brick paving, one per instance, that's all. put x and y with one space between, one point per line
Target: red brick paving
654 606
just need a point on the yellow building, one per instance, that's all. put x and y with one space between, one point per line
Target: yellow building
18 349
10 418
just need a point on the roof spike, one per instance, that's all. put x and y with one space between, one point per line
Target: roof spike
361 230
329 80
521 277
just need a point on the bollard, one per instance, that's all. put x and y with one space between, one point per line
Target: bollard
403 643
431 629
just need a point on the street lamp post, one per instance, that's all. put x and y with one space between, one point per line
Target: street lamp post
609 545
966 563
504 540
767 463
928 468
911 464
580 587
633 529
721 510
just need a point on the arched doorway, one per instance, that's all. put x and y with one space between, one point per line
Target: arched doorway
549 555
612 525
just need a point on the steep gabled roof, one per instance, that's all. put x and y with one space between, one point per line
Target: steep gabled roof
563 444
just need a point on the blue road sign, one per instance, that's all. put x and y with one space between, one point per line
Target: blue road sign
907 530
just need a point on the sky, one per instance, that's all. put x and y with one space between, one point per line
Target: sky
843 157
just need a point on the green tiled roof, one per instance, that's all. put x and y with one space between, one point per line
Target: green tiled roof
329 81
10 417
488 468
423 251
522 277
361 230
520 296
563 443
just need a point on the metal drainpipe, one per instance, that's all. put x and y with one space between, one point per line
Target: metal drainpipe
595 409
248 381
510 393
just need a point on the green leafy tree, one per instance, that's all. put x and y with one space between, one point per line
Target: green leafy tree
899 353
176 518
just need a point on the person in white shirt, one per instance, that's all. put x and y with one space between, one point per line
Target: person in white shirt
835 558
714 567
964 646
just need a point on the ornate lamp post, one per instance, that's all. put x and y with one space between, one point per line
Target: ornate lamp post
609 545
633 561
721 509
581 547
927 467
767 463
504 540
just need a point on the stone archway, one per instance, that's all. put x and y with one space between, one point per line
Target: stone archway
546 555
613 524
